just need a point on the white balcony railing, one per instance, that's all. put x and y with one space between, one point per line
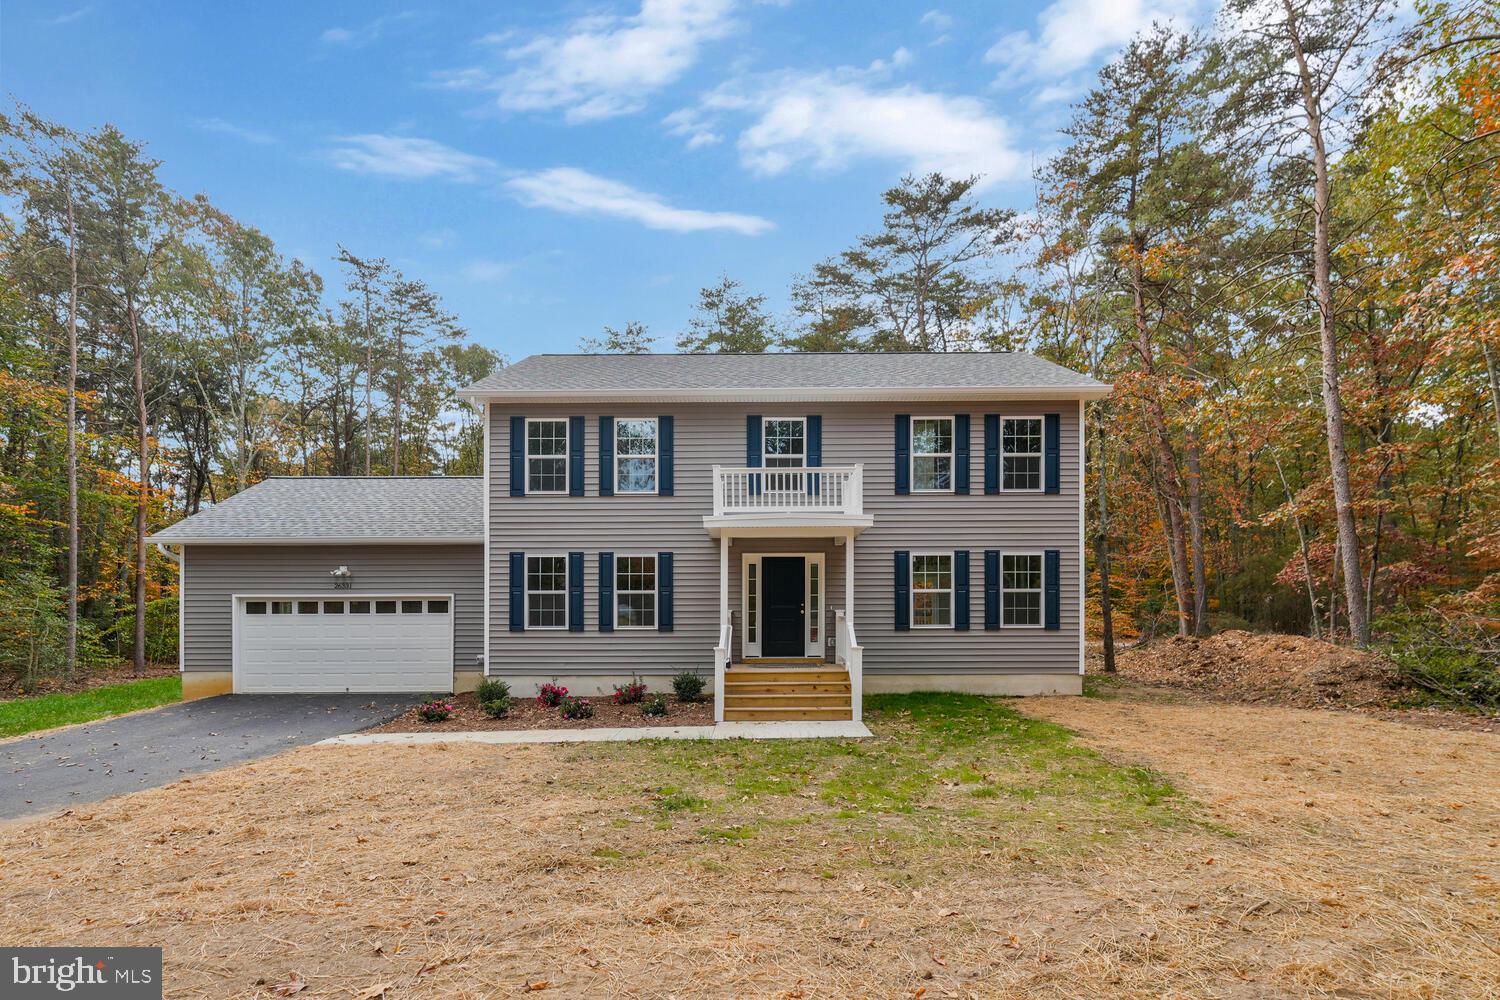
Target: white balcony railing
828 490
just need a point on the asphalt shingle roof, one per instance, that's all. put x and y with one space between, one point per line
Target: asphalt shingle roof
585 374
353 508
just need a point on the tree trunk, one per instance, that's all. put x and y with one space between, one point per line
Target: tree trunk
1307 572
1195 523
1101 549
143 493
72 654
1490 366
396 409
369 377
1333 408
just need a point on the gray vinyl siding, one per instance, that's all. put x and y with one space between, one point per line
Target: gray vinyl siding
216 572
709 434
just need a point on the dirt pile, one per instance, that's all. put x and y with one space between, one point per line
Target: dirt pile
1285 669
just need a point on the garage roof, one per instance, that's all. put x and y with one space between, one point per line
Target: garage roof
390 509
786 375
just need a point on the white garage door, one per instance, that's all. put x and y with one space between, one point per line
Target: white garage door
360 643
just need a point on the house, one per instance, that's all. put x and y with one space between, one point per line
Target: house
807 527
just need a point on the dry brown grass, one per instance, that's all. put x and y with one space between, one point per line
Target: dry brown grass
468 871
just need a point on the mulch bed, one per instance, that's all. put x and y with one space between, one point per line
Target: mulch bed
11 687
528 713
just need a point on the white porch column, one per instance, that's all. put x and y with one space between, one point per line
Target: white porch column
723 582
849 580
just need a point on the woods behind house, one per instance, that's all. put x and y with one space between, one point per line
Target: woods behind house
1277 239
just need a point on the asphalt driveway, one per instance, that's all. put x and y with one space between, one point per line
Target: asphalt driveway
114 756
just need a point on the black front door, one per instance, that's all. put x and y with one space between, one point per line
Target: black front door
783 599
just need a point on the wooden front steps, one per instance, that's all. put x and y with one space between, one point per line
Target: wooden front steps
784 693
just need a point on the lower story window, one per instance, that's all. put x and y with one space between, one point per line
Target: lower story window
546 591
932 591
635 591
1021 590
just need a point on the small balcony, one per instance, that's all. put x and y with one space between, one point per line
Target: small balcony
766 501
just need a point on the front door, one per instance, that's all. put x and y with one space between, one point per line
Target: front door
784 600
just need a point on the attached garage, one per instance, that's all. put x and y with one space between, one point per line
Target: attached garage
326 584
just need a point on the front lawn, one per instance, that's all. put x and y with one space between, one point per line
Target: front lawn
26 715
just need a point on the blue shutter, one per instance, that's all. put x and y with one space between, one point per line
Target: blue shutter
665 441
518 456
753 449
1051 591
575 456
606 456
1052 450
606 591
903 591
992 453
961 590
991 589
575 590
518 591
961 455
814 450
903 454
664 591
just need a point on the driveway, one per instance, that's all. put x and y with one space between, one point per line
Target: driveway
113 756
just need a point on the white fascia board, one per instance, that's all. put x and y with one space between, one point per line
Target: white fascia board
364 540
811 394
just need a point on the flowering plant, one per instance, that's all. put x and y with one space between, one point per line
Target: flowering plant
654 705
576 708
629 694
436 711
550 695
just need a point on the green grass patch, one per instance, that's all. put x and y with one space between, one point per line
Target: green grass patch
27 715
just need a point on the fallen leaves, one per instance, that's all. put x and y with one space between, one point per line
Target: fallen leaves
291 987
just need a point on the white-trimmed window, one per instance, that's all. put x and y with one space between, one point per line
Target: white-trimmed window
1021 590
1021 453
635 591
547 591
547 455
932 590
932 454
635 455
784 442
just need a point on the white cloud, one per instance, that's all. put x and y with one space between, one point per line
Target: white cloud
238 131
407 158
438 239
488 270
937 21
828 120
578 192
1070 33
68 17
361 35
602 65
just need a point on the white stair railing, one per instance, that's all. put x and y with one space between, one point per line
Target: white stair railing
722 653
828 490
851 654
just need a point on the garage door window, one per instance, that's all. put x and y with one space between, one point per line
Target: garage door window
411 607
255 607
385 607
437 607
307 607
333 607
359 607
281 607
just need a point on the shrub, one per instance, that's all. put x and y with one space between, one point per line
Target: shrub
629 694
688 685
496 708
1452 655
654 705
576 708
491 689
550 695
436 711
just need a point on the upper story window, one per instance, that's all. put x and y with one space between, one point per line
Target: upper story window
547 456
932 590
636 455
546 591
635 592
1021 590
932 454
785 442
1021 453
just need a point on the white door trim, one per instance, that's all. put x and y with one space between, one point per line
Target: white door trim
236 599
809 646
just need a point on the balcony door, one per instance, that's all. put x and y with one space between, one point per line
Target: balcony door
783 604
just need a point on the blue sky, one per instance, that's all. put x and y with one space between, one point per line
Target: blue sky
551 168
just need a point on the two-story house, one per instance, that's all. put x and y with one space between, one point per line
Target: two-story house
804 527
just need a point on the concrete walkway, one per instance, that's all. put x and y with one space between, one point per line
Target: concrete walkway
722 731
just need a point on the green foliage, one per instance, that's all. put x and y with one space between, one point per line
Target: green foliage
575 709
33 630
688 686
26 715
726 320
494 697
654 705
1454 657
632 338
162 632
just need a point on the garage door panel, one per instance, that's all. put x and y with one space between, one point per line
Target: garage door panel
344 652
